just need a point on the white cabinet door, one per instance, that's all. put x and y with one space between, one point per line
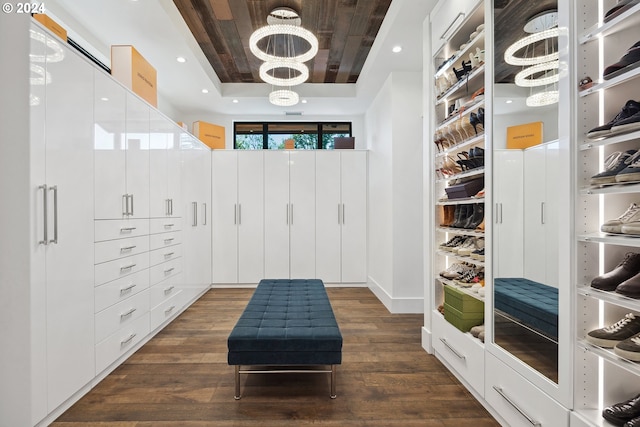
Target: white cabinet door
110 149
174 169
137 164
277 214
159 136
509 210
328 212
69 253
353 174
250 216
534 230
302 220
550 213
224 216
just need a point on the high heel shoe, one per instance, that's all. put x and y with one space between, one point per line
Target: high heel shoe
476 157
481 116
476 123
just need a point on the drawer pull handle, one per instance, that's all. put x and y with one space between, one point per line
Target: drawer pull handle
128 313
169 240
169 289
168 225
127 289
127 267
127 229
169 254
127 248
128 340
169 310
516 407
168 271
453 350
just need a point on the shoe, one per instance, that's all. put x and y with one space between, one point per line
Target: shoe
619 9
476 216
622 412
627 125
611 335
478 254
629 349
633 423
475 331
632 228
454 271
629 109
632 214
632 170
614 164
626 269
630 287
628 62
463 213
481 336
585 83
470 246
453 242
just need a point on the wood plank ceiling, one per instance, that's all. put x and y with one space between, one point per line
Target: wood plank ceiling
345 30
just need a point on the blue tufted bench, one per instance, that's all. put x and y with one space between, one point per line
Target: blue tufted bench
286 323
533 303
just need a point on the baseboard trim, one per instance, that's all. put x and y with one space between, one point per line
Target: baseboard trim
426 340
412 305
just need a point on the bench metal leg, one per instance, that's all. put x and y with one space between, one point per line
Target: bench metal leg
333 382
237 376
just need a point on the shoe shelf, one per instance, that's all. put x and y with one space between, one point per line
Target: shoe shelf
619 23
622 188
461 258
610 140
479 138
466 86
465 174
606 84
471 45
465 201
609 355
464 289
609 296
612 239
468 109
461 231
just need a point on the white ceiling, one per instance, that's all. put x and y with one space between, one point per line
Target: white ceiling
158 32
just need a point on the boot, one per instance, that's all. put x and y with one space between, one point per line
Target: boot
476 217
625 270
462 213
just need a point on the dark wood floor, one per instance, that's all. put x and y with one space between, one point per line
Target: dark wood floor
181 377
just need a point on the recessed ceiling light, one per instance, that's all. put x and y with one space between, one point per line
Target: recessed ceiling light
205 90
181 59
396 49
304 101
508 101
235 101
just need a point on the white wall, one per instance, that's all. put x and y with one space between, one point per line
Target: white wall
394 138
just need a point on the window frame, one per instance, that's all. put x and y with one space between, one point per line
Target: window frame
265 131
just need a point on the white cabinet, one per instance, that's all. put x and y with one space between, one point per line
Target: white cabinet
165 166
62 235
238 216
289 213
450 16
341 216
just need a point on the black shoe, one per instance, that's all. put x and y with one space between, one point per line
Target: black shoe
629 349
619 9
476 217
630 108
627 125
628 267
613 165
633 423
609 336
464 212
622 412
628 62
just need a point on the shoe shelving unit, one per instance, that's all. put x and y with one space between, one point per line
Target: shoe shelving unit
601 377
451 108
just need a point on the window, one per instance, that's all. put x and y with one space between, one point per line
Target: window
273 136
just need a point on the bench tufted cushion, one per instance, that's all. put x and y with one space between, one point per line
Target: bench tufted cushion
531 302
286 322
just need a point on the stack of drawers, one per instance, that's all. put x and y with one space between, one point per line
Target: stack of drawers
165 259
462 310
121 287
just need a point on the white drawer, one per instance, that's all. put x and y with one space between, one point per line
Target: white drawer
165 254
112 270
161 272
109 250
120 342
115 317
463 352
118 290
109 229
160 292
166 310
162 225
515 398
162 240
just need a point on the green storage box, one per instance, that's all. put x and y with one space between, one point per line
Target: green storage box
462 320
461 301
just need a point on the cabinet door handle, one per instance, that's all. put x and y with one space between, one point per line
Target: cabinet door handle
168 225
291 213
166 207
239 214
125 204
131 195
516 407
55 214
127 267
127 229
169 289
235 214
501 217
542 208
287 213
338 213
170 206
453 350
169 310
204 214
127 248
128 340
45 214
497 213
195 214
167 241
344 216
169 270
127 289
167 255
128 313
457 19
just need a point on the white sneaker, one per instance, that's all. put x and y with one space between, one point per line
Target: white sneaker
468 247
632 214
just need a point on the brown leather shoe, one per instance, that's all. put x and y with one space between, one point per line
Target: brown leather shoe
630 287
628 268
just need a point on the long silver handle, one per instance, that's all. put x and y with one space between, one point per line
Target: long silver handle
55 214
287 213
501 217
128 340
453 350
169 270
291 213
169 310
204 214
127 248
127 289
170 206
127 267
344 216
128 313
45 208
127 229
497 213
125 204
542 208
338 213
235 214
516 407
131 195
195 214
239 214
169 289
166 207
169 254
443 36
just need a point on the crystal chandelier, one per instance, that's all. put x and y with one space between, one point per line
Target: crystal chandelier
275 44
539 71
